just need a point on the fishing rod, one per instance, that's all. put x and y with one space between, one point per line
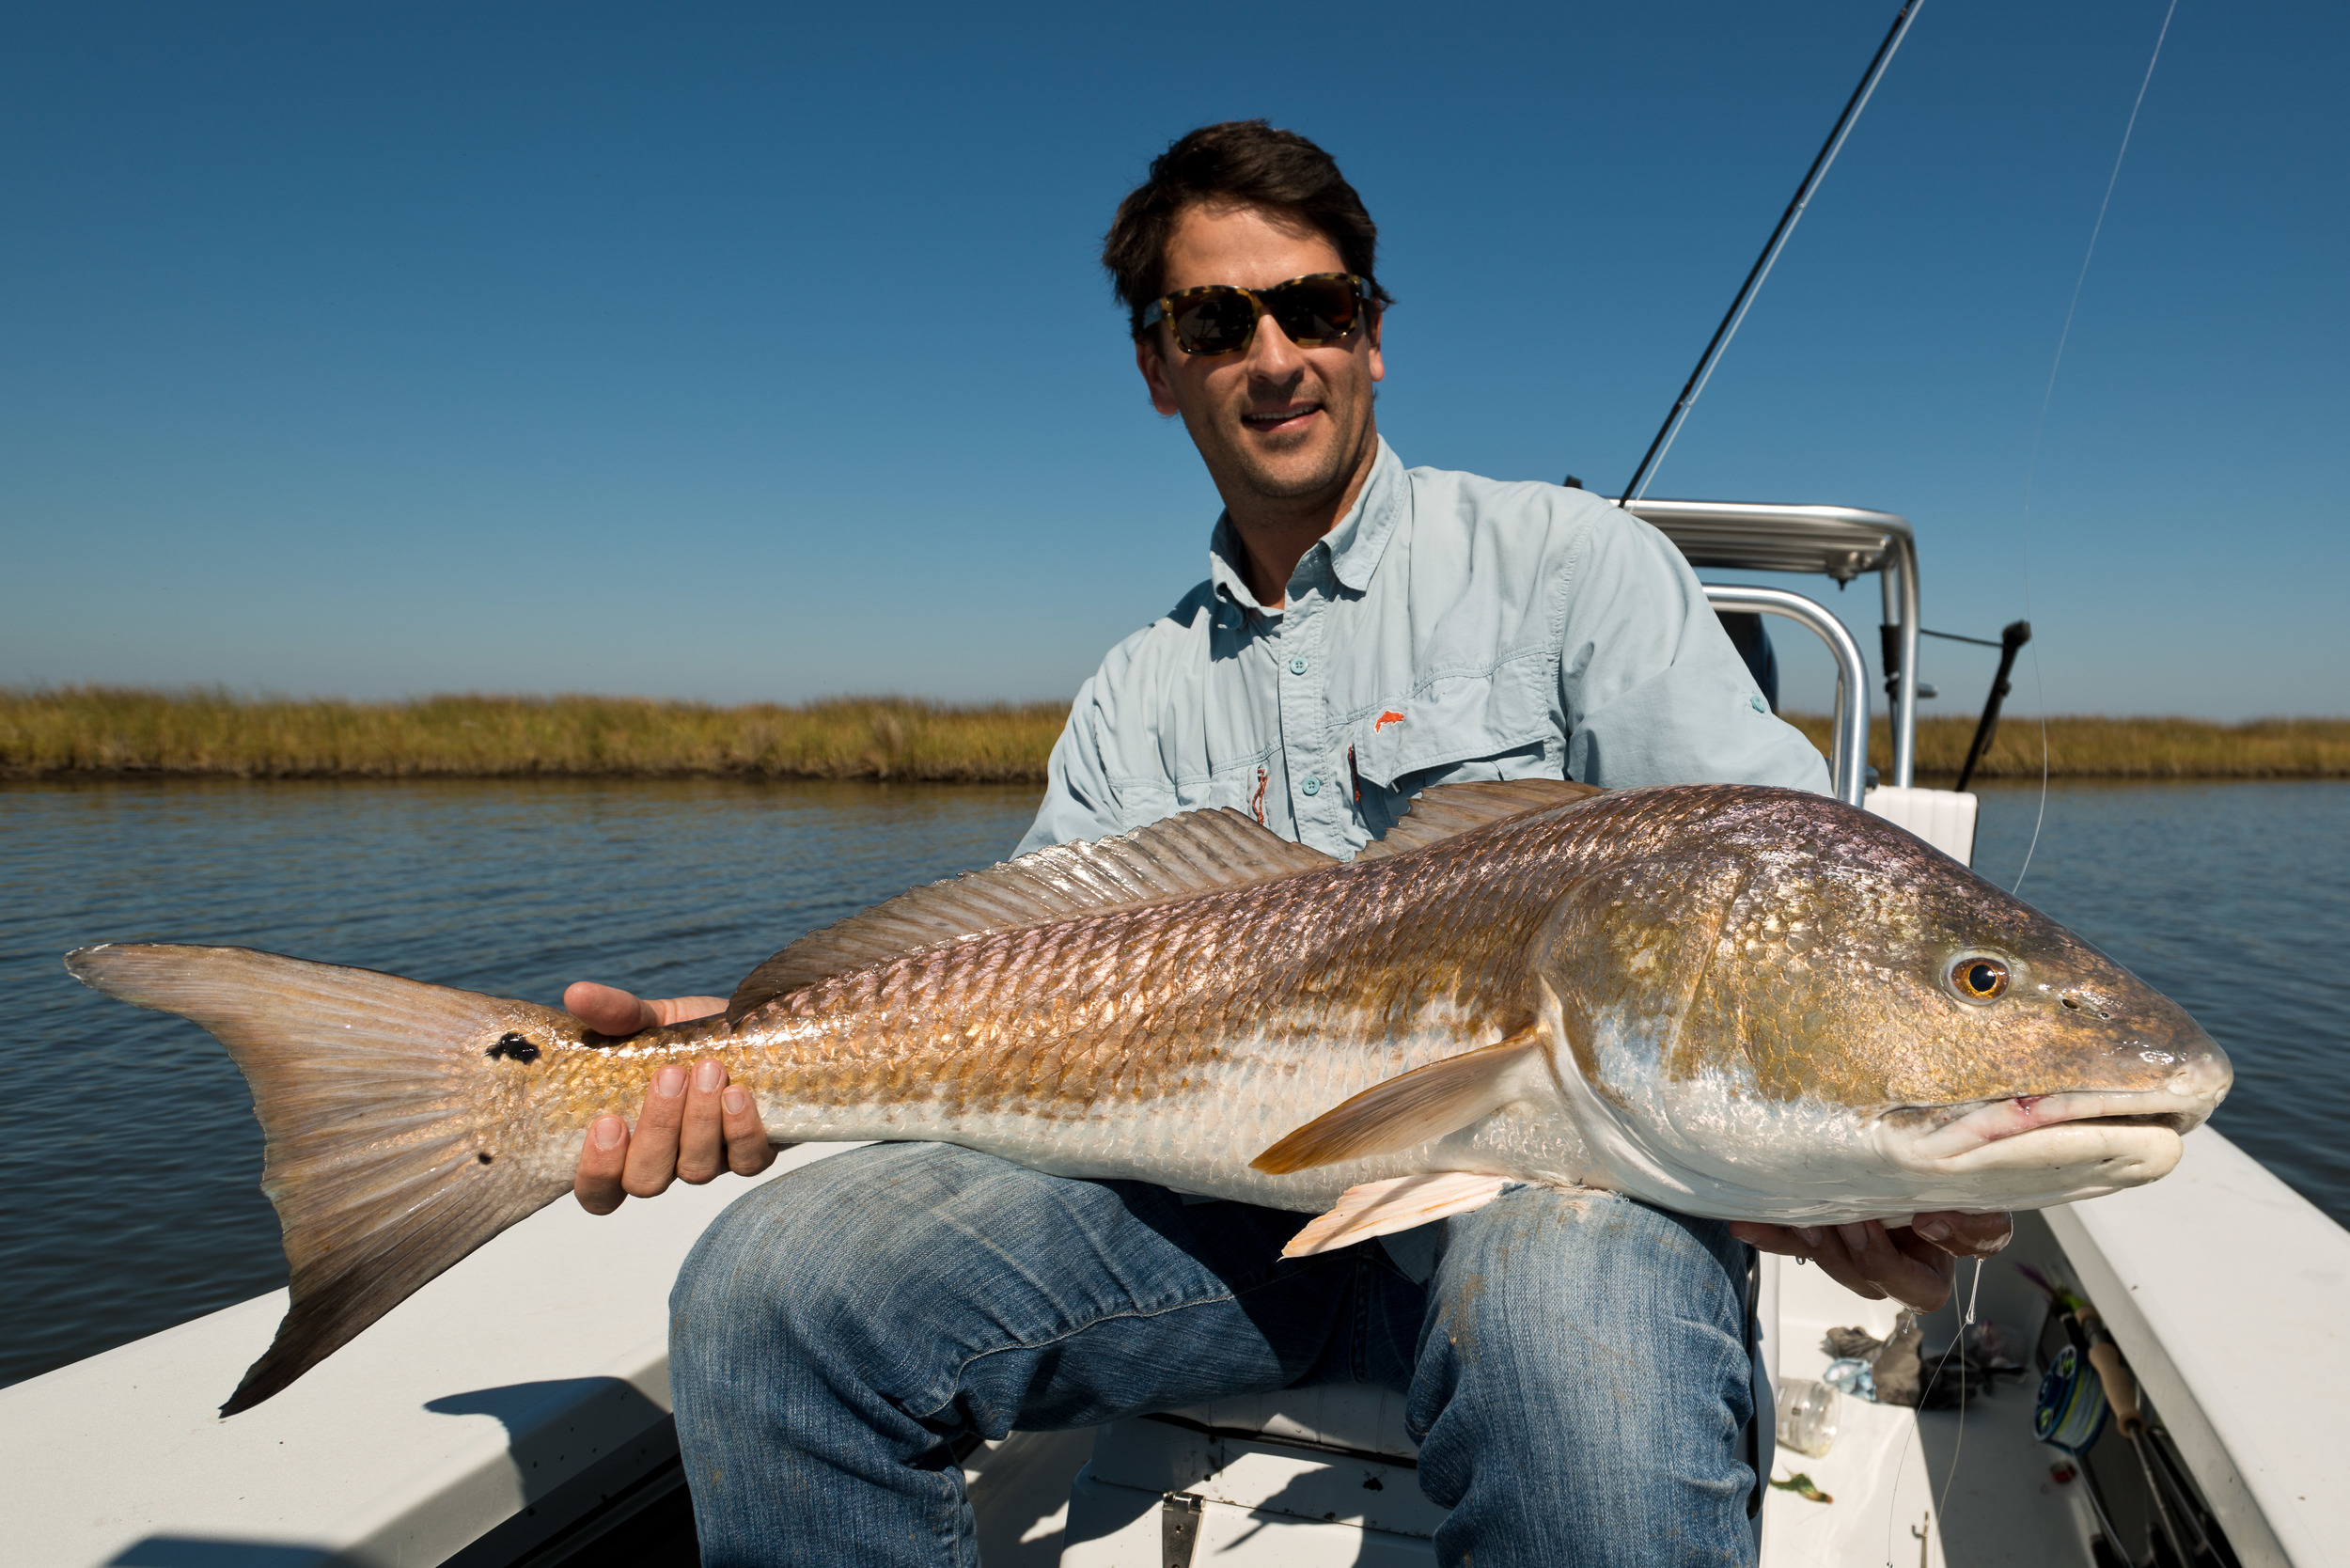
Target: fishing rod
1763 263
2012 639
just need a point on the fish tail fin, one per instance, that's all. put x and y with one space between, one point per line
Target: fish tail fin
378 1098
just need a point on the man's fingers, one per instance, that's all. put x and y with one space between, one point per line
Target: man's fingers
1918 1278
1769 1238
749 1152
653 1149
1966 1235
607 1008
1915 1269
1828 1250
1926 1255
1810 1244
694 1126
602 1157
701 1145
682 1010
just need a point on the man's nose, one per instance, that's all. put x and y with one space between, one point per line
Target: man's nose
1271 354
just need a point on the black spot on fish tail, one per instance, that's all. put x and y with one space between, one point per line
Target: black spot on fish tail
484 1159
514 1047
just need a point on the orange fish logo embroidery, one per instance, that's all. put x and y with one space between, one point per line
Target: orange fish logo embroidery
1390 716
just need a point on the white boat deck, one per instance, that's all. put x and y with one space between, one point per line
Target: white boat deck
511 1394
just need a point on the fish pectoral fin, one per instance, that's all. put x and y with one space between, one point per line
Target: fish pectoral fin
1377 1208
1411 1109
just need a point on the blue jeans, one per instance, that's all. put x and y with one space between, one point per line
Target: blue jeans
1575 1371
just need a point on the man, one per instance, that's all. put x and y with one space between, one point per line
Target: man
1575 1366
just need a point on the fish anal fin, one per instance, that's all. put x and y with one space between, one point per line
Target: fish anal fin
1447 811
1199 851
1379 1208
1411 1109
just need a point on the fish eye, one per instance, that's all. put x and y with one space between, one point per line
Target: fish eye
1979 978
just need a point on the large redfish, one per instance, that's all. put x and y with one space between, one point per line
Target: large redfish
1748 1003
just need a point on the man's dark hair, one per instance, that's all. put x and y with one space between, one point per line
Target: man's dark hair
1240 163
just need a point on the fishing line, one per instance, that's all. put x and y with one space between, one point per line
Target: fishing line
1719 343
1892 1510
2032 467
1958 1443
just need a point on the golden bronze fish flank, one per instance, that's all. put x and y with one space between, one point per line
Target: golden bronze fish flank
1741 1002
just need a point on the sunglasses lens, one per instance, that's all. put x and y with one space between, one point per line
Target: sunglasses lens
1314 309
1215 323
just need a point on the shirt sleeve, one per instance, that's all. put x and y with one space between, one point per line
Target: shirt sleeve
1078 804
1654 693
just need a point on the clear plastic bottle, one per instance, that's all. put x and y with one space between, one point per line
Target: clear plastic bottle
1807 1416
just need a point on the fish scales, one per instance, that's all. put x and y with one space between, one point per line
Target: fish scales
1090 1046
1735 1001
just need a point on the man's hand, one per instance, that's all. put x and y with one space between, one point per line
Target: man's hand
1914 1264
693 1125
609 1010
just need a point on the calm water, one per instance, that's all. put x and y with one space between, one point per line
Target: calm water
131 1162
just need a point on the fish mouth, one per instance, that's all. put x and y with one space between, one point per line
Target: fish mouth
2124 1137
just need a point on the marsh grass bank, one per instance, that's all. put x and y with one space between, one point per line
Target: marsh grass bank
96 731
2090 747
99 732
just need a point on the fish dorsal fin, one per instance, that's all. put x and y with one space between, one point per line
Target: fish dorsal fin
1439 813
1199 851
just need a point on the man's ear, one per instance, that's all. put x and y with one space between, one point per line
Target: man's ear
1152 364
1378 362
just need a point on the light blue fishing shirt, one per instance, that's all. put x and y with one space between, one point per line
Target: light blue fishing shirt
1450 628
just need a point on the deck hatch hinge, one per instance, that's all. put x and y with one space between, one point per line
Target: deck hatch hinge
1179 1529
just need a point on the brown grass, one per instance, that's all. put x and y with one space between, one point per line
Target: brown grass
91 731
2089 747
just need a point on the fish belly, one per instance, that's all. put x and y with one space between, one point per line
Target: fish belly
1198 1135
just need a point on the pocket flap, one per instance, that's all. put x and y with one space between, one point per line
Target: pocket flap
1451 720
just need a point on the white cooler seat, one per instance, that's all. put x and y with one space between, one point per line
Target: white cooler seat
1943 818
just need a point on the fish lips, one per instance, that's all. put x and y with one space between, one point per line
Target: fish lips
2113 1137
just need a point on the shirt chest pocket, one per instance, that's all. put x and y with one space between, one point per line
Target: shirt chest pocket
1455 729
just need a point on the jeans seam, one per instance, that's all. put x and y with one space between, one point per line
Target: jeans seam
967 1362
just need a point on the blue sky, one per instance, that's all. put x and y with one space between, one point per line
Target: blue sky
760 353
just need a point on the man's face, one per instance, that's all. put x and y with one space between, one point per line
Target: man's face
1275 422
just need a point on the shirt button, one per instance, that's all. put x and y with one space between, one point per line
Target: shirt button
1312 785
1297 666
1757 703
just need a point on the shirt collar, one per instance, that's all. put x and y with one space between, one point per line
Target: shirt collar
1354 545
